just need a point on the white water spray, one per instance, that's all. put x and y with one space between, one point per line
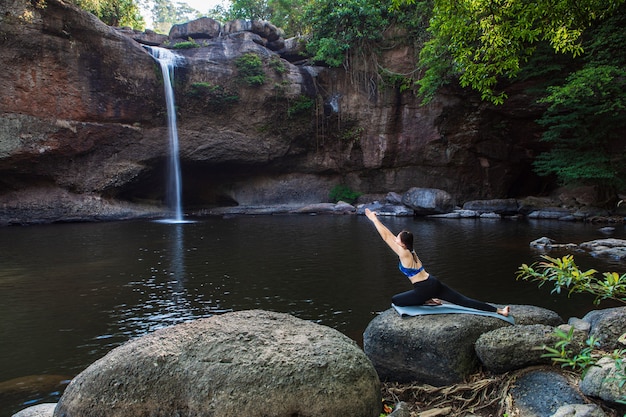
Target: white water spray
168 61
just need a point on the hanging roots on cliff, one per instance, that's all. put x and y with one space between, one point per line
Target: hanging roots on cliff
481 393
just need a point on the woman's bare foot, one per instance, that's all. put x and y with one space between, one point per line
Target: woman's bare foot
433 302
504 311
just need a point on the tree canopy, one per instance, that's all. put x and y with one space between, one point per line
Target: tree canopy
114 12
166 13
482 41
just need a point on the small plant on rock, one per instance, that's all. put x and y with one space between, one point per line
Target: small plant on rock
188 44
250 67
277 65
300 105
561 353
343 193
212 94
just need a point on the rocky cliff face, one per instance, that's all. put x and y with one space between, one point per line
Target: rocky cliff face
82 113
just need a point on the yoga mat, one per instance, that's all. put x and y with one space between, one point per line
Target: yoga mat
446 308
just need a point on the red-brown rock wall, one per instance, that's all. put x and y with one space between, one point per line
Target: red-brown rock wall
82 109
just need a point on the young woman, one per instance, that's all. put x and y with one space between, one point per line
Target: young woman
426 288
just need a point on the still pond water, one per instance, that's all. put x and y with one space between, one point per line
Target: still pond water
69 293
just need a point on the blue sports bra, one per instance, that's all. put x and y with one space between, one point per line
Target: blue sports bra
410 272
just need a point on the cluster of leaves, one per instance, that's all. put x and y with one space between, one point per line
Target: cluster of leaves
586 115
250 67
166 13
300 105
115 12
568 355
211 94
482 41
277 65
341 26
186 44
563 273
563 354
343 193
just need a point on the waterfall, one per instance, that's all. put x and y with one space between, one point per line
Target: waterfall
168 61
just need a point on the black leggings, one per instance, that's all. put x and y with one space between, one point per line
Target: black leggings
432 288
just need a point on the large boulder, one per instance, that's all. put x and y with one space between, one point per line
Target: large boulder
607 326
527 314
508 348
542 392
39 410
605 381
425 201
607 248
505 206
433 349
439 349
579 410
203 28
249 363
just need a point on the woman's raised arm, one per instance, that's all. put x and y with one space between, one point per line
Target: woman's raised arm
383 231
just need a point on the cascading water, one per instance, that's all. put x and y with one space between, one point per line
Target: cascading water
168 61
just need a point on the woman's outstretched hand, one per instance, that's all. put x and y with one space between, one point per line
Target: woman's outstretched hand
370 214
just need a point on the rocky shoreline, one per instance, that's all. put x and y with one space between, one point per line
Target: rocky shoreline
50 205
259 363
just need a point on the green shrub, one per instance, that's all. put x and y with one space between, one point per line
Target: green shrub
343 193
214 94
250 67
186 44
277 65
300 105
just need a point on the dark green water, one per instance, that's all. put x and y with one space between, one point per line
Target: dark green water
69 293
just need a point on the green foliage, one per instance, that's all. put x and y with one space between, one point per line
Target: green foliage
586 115
114 12
165 14
250 10
288 15
483 41
300 105
399 81
563 273
563 354
585 358
186 45
343 193
352 134
250 67
339 27
211 94
277 64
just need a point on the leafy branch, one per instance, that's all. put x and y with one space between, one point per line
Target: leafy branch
561 352
563 273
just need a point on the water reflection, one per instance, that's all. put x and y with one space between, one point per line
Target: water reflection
70 293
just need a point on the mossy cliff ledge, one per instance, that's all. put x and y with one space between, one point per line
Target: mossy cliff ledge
82 119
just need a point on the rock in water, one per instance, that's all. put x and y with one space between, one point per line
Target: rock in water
249 363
